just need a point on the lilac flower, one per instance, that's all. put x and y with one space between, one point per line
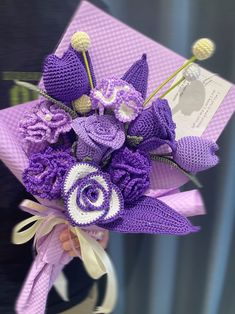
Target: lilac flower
118 95
155 125
98 136
46 171
90 196
130 172
44 123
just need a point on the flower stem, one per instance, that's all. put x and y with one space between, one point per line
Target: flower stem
87 69
192 59
172 87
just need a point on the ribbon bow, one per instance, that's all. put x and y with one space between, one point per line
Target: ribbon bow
95 259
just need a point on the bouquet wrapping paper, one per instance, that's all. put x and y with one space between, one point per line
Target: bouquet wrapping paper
114 47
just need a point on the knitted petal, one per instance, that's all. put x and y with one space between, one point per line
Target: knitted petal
149 215
137 75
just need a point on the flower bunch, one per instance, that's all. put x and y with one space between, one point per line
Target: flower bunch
104 176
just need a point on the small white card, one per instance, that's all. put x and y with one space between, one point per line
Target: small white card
194 103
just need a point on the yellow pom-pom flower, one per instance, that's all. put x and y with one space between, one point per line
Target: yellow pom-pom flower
80 41
82 105
203 48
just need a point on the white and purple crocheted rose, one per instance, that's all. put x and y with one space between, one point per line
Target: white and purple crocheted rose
44 123
129 170
45 173
118 95
98 136
89 195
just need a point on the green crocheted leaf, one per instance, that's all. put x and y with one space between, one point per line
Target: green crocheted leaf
134 140
172 163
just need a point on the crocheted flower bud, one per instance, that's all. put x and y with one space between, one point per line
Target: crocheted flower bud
203 48
90 196
80 41
137 75
65 78
83 104
195 154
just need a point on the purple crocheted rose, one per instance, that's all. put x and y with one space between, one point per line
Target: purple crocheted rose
130 172
98 136
44 123
155 125
118 95
46 171
90 196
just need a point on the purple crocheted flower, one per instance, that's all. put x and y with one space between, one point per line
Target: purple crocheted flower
195 154
90 196
118 95
130 172
46 171
44 123
98 136
155 125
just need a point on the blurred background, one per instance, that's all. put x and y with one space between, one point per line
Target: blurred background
157 274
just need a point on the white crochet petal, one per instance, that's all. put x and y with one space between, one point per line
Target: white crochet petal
115 205
78 171
79 216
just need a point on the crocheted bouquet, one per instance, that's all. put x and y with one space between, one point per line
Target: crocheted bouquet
90 150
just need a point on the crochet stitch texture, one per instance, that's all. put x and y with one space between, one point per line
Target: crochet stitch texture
150 215
130 170
155 125
195 154
45 173
137 75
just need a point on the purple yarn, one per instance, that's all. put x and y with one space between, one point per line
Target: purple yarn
35 127
195 154
129 171
150 215
90 196
45 173
137 75
118 95
155 125
98 136
65 78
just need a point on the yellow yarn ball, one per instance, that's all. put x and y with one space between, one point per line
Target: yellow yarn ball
80 41
203 48
83 104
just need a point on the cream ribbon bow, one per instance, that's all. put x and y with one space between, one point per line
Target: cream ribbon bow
94 257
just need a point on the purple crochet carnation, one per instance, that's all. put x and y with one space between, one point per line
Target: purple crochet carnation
90 196
155 125
45 174
98 136
130 172
118 95
44 123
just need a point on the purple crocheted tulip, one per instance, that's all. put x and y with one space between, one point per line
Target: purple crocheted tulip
90 196
155 125
98 136
44 123
137 75
118 95
195 154
130 172
150 215
46 171
65 78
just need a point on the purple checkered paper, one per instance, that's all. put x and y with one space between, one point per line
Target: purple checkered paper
115 46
